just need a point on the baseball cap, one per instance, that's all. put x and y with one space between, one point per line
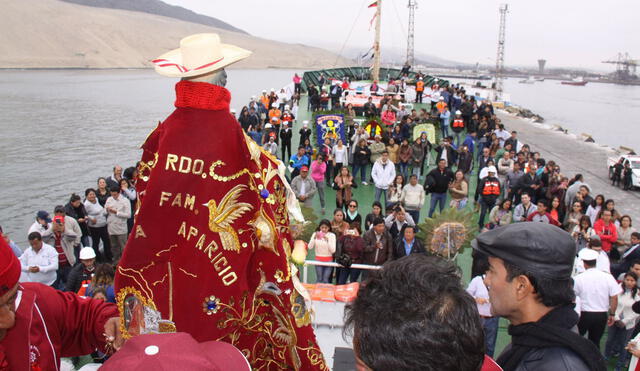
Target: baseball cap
304 168
176 351
58 219
43 215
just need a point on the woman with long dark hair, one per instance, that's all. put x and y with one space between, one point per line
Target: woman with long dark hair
324 243
624 321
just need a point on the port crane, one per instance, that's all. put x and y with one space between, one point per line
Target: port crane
625 67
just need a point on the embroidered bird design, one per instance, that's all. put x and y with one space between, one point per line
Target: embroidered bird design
222 216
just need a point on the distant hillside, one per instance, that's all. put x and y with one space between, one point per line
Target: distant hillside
58 34
159 8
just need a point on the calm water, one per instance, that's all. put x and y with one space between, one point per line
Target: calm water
61 130
610 113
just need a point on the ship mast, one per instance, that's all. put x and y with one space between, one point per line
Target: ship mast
375 70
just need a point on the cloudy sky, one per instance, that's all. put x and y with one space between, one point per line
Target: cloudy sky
579 33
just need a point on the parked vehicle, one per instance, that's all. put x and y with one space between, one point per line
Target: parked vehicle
633 160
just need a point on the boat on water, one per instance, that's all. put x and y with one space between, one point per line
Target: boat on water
578 81
530 80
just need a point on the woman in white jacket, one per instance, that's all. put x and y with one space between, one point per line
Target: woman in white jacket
324 241
97 225
625 321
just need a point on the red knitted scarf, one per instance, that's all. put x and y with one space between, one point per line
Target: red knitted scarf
202 95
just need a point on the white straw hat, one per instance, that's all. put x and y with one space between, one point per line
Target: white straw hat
198 54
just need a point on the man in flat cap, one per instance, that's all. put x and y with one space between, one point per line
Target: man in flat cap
529 281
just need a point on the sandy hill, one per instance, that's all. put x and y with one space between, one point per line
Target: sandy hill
56 34
159 8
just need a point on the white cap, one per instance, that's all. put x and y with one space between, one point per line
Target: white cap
268 126
305 123
273 105
233 110
274 118
588 254
264 91
286 106
272 89
458 112
492 169
441 98
87 253
253 97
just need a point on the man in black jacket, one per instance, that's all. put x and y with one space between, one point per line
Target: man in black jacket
408 244
305 132
529 281
490 190
83 272
437 183
285 140
378 247
629 257
370 109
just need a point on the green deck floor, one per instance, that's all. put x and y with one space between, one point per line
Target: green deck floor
365 197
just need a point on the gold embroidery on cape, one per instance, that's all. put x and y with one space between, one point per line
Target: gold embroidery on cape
166 250
212 172
140 232
170 291
299 309
281 336
159 281
188 273
147 166
222 215
129 272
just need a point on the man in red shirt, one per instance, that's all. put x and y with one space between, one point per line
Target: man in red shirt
38 324
606 230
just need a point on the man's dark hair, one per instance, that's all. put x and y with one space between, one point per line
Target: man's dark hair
115 188
636 235
635 262
414 314
408 226
551 292
590 263
377 221
34 236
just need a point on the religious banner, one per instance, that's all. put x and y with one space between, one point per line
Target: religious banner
330 126
373 128
425 128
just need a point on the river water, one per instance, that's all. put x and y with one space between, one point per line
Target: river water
61 130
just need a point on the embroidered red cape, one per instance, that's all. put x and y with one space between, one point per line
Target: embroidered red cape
211 240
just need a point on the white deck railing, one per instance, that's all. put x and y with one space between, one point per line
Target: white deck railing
335 265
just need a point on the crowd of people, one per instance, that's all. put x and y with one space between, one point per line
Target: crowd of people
481 167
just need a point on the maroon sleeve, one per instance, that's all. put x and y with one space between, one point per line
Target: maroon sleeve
80 321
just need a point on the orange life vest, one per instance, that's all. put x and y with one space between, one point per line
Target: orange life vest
420 86
274 112
441 106
491 187
458 123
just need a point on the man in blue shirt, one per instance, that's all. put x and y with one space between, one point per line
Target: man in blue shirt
408 244
297 161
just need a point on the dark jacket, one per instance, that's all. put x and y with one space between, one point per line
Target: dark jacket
556 358
304 135
370 109
285 136
489 198
624 264
357 219
399 251
360 158
77 275
78 213
352 246
372 255
465 162
438 181
452 155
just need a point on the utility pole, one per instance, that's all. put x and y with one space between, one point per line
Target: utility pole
375 73
500 57
410 34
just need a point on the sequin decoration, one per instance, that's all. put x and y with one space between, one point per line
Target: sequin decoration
210 305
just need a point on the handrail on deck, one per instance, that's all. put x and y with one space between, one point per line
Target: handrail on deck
334 264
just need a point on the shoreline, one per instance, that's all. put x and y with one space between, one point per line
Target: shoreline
574 156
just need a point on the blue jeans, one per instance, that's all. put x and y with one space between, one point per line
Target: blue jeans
403 169
616 342
415 214
490 327
323 274
363 172
484 207
436 198
381 192
457 136
445 129
350 274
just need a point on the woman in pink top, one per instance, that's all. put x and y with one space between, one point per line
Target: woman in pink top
318 169
297 84
388 117
324 241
